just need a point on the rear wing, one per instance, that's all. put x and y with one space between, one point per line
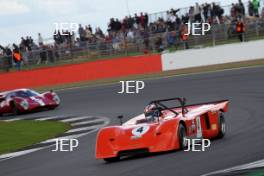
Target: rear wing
221 104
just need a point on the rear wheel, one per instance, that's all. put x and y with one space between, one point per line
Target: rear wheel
222 126
182 137
113 159
15 110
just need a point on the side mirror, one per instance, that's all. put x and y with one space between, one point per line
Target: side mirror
184 109
184 101
120 117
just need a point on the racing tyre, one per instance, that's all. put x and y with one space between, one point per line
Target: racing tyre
113 159
182 137
222 126
15 110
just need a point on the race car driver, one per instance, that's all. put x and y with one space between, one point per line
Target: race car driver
152 113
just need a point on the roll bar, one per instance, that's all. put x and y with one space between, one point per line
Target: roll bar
182 102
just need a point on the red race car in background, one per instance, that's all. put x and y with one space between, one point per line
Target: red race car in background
26 100
162 128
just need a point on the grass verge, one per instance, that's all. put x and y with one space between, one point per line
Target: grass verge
23 133
255 172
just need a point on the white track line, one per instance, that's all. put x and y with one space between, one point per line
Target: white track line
48 118
93 128
87 122
15 154
75 119
84 128
14 119
24 152
31 118
252 165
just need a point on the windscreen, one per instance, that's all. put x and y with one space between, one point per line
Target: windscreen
26 94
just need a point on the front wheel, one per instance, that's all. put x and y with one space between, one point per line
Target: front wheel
182 137
222 126
52 108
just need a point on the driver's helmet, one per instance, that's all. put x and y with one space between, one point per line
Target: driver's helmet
151 112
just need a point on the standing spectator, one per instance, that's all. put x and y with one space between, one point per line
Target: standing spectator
81 33
262 14
90 28
171 38
125 24
7 58
40 40
142 20
130 22
117 26
159 44
240 29
43 55
217 13
197 13
136 21
145 36
88 34
17 57
28 43
191 14
206 11
146 20
233 11
256 5
99 34
57 38
130 36
250 8
185 18
184 35
240 8
172 19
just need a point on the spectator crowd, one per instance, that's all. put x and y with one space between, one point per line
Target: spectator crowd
133 29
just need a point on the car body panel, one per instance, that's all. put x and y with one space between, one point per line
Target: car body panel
27 100
201 121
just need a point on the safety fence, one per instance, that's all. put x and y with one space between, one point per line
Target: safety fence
150 43
183 11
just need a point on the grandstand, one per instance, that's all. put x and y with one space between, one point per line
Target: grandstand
145 33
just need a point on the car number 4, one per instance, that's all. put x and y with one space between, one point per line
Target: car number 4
139 131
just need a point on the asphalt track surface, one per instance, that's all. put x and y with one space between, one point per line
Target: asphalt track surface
243 143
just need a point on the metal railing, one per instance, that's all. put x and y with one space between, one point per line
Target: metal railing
155 42
182 11
219 34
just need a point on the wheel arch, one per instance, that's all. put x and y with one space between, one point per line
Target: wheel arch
175 141
183 123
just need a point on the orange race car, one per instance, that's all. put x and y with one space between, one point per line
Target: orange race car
162 127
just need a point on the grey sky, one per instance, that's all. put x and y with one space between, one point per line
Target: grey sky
26 18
